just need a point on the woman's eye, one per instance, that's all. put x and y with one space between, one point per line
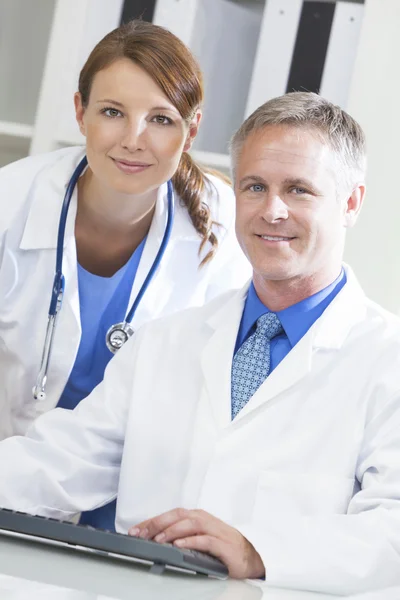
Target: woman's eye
111 112
162 120
256 187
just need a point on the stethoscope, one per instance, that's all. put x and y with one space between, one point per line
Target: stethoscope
117 334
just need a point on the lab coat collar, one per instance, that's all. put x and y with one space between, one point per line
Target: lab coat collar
328 332
346 309
48 192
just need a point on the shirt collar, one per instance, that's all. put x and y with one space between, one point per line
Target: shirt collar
297 319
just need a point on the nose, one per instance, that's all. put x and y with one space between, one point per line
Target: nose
133 138
274 209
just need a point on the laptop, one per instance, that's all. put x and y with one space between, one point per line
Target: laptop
84 538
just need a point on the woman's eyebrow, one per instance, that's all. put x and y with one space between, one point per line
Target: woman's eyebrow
121 105
110 101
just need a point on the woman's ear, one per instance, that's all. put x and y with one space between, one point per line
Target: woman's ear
79 113
193 130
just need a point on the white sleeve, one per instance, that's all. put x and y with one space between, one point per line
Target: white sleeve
69 461
344 553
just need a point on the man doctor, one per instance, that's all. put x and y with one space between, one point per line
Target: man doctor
264 427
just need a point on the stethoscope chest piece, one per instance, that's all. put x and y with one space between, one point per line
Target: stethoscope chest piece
117 335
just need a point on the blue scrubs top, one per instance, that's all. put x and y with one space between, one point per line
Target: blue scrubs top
103 302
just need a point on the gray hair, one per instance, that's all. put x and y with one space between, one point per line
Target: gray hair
306 110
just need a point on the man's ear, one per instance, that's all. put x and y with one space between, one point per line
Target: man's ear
354 204
79 113
193 130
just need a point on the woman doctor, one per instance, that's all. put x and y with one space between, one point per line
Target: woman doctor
146 228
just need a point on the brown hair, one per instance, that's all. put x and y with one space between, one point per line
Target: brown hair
172 66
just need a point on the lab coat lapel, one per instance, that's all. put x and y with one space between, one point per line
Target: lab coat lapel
68 321
217 355
40 235
71 298
294 367
182 230
70 312
152 245
328 332
68 328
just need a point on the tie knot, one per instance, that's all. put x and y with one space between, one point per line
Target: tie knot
269 325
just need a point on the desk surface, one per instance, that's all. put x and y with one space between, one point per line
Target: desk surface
29 571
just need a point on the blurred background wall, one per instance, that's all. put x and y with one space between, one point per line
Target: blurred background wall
250 51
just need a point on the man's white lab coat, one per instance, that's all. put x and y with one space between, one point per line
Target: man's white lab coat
309 470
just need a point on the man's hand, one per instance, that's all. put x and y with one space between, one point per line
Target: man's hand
198 530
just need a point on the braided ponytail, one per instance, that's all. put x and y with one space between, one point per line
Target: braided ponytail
190 181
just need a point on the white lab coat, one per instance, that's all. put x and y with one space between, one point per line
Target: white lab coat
309 470
31 194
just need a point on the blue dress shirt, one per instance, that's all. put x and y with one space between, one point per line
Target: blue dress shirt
296 320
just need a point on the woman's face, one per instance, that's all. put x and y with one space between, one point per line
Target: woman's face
134 135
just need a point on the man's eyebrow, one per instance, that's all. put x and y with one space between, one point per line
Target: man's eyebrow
251 179
299 181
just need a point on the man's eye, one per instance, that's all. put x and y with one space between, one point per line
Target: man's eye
257 187
299 191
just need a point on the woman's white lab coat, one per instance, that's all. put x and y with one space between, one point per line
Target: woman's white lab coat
31 194
309 470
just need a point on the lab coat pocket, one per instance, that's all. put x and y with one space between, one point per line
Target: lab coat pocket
301 494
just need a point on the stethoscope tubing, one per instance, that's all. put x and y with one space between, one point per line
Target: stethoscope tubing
160 254
59 281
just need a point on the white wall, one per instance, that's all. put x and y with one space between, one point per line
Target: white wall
77 26
373 247
24 30
225 43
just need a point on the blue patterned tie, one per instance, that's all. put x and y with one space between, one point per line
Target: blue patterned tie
252 362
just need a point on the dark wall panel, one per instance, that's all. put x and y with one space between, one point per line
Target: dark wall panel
311 46
135 9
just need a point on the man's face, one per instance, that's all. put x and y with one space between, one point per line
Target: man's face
291 210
